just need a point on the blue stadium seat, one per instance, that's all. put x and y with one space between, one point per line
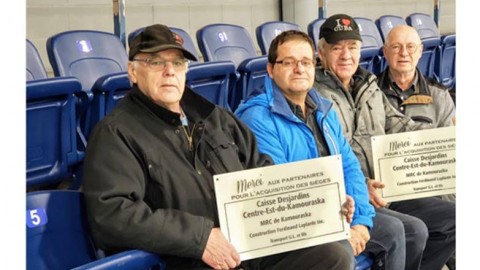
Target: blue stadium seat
267 31
58 236
225 42
187 39
35 68
252 76
424 24
90 56
313 29
368 30
213 81
51 142
446 72
55 155
132 260
372 43
385 23
431 40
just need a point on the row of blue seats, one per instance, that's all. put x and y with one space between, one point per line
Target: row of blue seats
92 65
233 42
62 110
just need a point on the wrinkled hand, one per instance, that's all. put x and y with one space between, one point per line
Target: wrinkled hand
375 199
219 253
348 208
359 238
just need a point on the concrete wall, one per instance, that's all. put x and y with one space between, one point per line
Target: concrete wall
48 17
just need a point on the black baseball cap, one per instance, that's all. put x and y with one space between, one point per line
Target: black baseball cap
156 38
339 27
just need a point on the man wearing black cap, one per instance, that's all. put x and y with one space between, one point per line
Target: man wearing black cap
365 112
149 164
148 170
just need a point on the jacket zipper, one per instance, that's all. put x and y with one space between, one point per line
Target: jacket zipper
189 136
327 135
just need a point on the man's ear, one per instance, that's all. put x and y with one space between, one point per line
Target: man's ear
320 55
270 70
132 72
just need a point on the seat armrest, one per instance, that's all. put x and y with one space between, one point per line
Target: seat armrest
131 259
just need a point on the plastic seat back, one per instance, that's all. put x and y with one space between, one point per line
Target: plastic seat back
252 76
57 231
372 43
431 40
447 74
90 55
51 143
35 68
424 24
213 81
385 23
187 39
313 29
225 42
87 55
368 30
267 31
58 236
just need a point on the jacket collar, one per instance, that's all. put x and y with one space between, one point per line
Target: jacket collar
278 103
329 79
421 87
195 107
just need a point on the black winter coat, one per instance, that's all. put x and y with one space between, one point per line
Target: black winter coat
146 187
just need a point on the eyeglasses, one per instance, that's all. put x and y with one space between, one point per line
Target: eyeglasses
290 62
158 64
411 47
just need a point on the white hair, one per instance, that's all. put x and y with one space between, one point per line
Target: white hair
321 44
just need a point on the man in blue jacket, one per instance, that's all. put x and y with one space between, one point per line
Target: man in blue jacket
292 122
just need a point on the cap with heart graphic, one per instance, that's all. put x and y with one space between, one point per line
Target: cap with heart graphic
339 27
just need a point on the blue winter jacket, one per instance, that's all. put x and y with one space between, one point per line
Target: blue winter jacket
286 138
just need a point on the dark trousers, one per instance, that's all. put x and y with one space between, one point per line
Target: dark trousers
330 256
391 228
439 218
387 241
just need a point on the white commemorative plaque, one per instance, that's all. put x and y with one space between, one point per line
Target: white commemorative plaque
278 208
415 164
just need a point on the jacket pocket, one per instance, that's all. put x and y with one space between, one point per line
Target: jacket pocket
222 155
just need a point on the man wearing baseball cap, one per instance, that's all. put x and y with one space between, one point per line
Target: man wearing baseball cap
364 112
148 170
